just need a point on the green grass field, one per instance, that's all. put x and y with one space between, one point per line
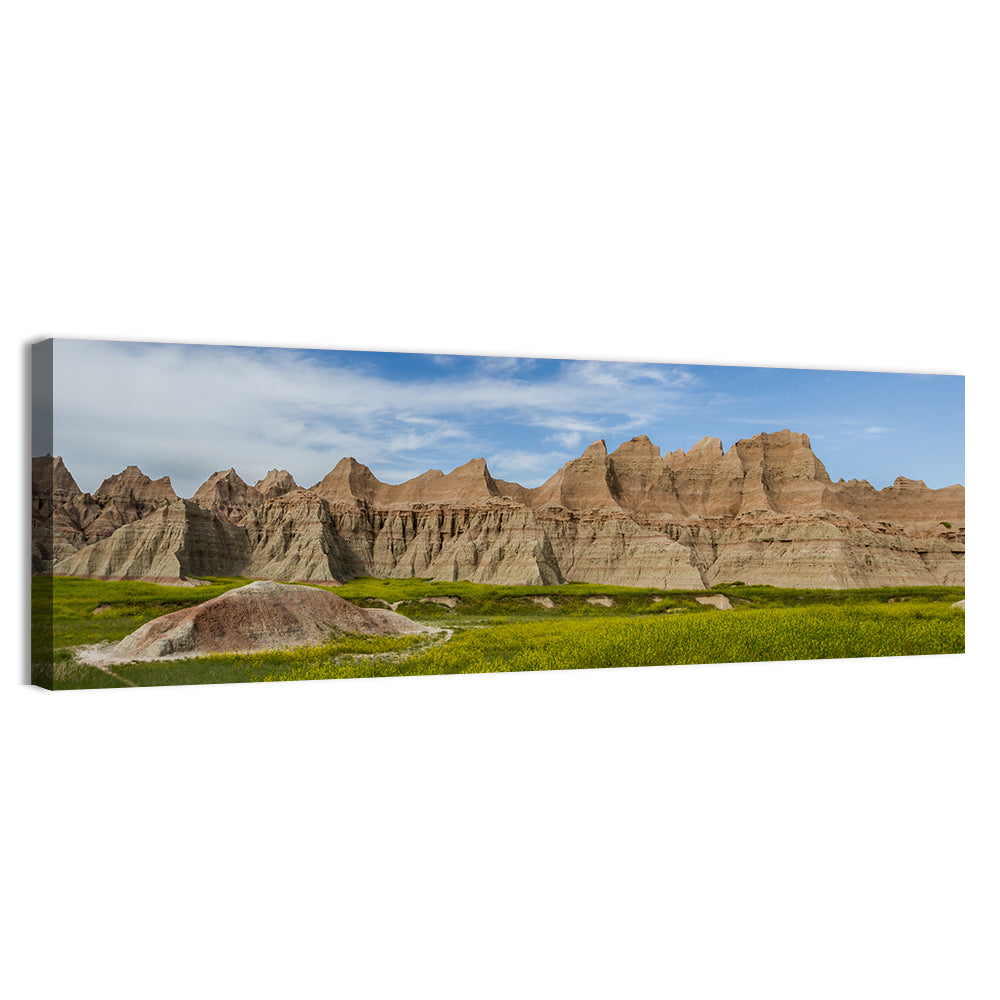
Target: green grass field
502 629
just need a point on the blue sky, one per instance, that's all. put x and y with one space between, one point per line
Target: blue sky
187 411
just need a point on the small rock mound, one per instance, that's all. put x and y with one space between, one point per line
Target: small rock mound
960 604
261 615
604 602
719 601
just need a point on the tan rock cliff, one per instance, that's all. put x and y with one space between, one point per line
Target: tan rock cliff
178 542
763 511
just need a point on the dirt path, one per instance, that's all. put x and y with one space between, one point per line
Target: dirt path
111 673
399 655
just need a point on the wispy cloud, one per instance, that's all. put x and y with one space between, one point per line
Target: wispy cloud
530 464
501 367
186 411
568 439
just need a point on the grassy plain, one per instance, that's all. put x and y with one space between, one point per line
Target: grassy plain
497 628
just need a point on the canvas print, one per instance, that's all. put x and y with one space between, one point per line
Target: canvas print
206 514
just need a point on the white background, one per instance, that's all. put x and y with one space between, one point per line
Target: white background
772 183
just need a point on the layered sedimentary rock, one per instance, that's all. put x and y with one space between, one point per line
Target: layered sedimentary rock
291 537
65 519
588 483
126 497
496 541
59 512
177 542
763 511
275 484
226 494
133 486
351 482
261 615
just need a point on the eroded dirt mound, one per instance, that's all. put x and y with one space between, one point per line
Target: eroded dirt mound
719 601
261 615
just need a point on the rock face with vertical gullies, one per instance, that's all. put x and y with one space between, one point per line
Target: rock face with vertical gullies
291 537
65 519
762 511
351 483
588 483
227 494
276 483
133 484
59 512
178 542
126 497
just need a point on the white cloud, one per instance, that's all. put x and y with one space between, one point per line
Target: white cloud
568 439
187 411
499 366
527 467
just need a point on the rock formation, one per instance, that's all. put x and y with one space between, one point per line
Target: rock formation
291 537
764 511
65 519
227 494
175 543
59 512
275 484
261 615
127 497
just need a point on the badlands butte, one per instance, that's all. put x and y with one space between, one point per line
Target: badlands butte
765 511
